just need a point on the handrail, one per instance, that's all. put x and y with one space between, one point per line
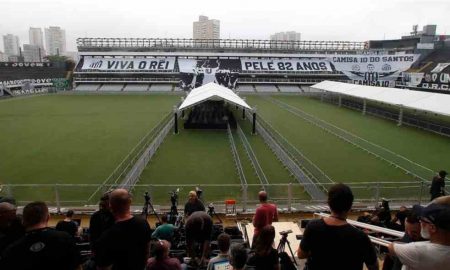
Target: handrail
236 158
254 160
374 228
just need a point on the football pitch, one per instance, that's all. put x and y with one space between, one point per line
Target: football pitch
81 139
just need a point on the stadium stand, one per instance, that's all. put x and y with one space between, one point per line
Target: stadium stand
289 88
87 87
136 87
112 87
246 88
161 88
269 88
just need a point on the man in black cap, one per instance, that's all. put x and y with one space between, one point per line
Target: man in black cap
437 188
435 226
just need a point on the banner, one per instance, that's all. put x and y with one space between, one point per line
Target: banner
25 64
440 67
286 65
430 81
129 64
15 83
375 70
195 73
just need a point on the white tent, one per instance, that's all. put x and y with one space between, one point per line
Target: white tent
212 91
417 100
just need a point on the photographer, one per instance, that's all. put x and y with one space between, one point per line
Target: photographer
193 204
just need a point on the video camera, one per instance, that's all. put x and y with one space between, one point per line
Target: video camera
174 196
199 192
285 233
146 197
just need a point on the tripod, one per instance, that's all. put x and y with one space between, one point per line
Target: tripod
148 204
212 213
282 245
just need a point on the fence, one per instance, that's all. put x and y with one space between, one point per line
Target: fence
128 162
289 196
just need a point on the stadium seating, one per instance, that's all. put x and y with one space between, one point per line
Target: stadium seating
266 88
8 73
87 87
111 87
246 88
136 87
289 88
161 88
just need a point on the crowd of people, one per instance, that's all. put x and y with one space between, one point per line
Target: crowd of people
120 240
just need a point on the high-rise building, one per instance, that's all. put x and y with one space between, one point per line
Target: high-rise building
55 40
36 37
3 57
206 28
32 53
11 45
286 36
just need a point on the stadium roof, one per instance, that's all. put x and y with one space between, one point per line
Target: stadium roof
212 91
417 100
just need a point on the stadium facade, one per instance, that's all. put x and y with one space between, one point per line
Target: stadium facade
128 64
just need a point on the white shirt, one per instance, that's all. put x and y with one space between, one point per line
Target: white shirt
423 256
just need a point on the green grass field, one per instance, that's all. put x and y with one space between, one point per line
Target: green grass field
81 139
71 139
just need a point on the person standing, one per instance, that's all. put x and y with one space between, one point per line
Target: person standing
126 244
437 188
100 221
11 228
41 247
265 214
193 204
68 225
332 243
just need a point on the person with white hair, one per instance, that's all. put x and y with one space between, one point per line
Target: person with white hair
193 204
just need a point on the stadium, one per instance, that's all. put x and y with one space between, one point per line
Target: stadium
125 92
228 118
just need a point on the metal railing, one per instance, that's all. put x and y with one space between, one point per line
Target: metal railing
388 115
133 175
130 159
293 166
143 44
410 167
286 196
295 154
252 157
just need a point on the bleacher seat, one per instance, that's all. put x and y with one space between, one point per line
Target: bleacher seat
266 88
87 87
289 88
161 88
136 87
111 87
246 88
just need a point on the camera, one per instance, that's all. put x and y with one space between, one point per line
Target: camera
285 233
174 197
199 192
147 197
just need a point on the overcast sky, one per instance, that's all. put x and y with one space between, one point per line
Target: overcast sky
354 20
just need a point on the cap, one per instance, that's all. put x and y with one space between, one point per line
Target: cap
437 214
443 173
